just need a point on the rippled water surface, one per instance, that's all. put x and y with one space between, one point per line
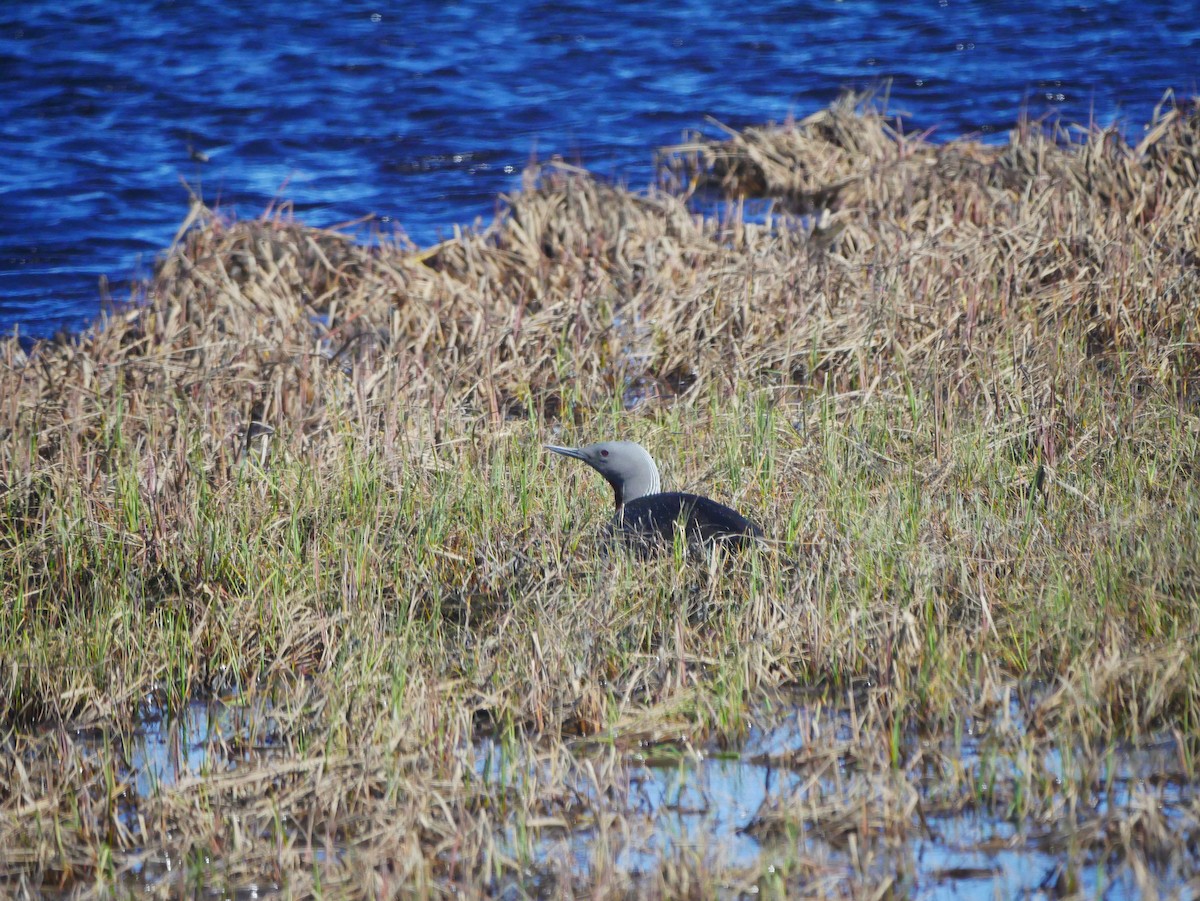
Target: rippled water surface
421 113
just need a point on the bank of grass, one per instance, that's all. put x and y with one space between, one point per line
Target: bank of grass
964 408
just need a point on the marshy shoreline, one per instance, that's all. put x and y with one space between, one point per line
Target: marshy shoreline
958 386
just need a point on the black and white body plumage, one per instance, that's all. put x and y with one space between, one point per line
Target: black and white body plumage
646 515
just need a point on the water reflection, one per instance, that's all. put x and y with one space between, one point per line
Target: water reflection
766 807
788 799
205 738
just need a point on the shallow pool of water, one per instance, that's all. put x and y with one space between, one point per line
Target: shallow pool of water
791 804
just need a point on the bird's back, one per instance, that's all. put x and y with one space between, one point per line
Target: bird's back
651 520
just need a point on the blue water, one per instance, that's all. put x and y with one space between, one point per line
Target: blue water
422 113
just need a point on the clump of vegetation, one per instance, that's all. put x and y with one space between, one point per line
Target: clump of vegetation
958 385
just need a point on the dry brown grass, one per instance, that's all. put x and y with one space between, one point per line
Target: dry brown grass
963 274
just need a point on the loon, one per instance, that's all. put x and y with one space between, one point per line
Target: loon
646 515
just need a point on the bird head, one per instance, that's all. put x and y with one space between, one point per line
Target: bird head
624 464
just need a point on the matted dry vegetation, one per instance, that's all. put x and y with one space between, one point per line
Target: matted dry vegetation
959 385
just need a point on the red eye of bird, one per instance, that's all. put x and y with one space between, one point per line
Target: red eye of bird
603 453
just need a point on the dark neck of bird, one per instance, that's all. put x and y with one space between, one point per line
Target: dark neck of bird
618 495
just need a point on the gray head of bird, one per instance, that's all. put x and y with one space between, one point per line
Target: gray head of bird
626 465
